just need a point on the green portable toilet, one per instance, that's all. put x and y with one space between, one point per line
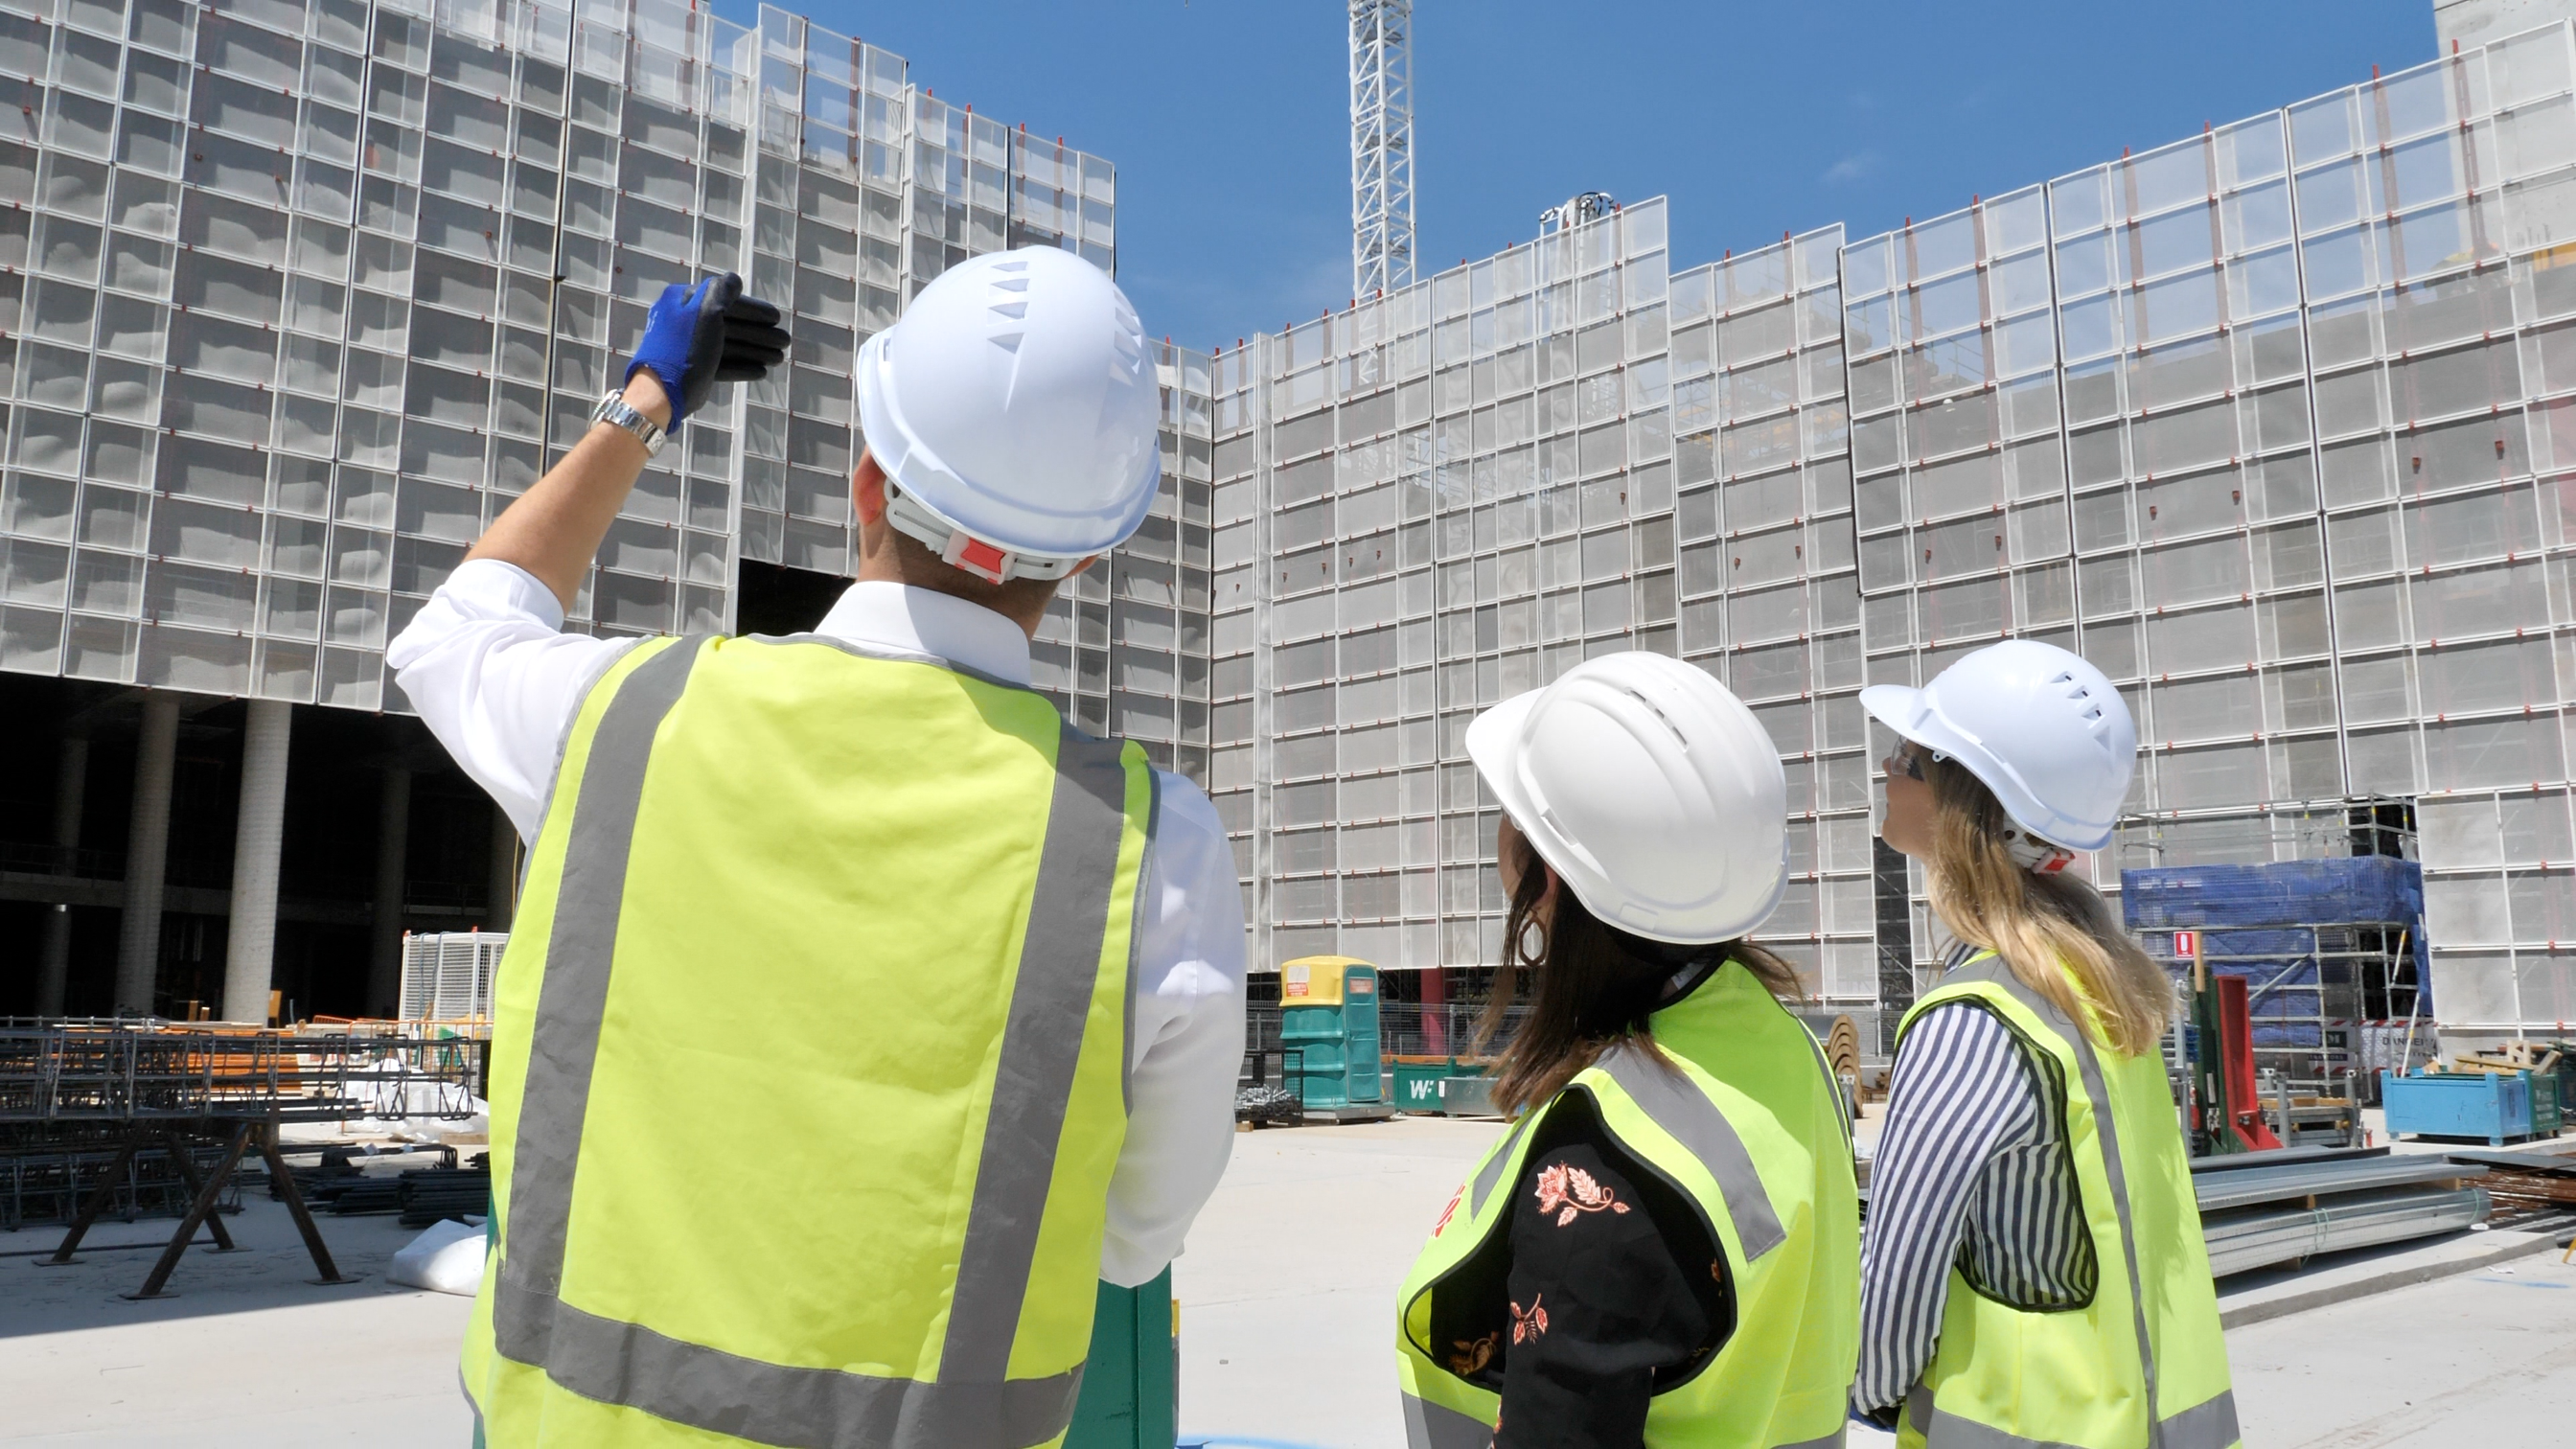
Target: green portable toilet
1328 1017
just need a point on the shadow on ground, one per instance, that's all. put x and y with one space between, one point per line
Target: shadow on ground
269 1269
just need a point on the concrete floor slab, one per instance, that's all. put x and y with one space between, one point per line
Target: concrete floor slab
1287 1295
248 1353
1287 1288
2483 1358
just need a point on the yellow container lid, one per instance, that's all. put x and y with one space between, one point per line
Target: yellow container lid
1318 980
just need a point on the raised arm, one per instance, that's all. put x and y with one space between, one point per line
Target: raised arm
697 335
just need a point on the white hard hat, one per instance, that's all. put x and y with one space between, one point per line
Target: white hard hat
1013 409
1653 792
2043 729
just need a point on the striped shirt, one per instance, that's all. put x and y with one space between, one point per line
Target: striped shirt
1972 1171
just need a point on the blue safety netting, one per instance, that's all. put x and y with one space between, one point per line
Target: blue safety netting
2265 923
2289 893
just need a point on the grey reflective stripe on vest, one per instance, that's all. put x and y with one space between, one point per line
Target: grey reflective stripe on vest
1492 1171
1041 1043
973 1405
1684 1111
2210 1425
573 993
1146 886
2097 1091
806 1408
1430 1426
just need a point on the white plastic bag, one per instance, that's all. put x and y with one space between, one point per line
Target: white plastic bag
446 1258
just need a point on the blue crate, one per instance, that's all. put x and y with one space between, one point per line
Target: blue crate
2490 1105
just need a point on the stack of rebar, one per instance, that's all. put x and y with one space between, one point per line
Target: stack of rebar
319 1183
47 1169
2526 1181
442 1193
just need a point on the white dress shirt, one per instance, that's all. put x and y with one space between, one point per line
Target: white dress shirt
487 665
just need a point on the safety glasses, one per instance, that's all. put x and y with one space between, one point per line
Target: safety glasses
1902 760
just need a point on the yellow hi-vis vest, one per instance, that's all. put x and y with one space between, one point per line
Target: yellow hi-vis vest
2142 1365
809 1063
1746 1125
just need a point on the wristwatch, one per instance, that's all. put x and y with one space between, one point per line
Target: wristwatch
615 411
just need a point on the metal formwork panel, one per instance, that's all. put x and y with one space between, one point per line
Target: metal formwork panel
1770 597
321 284
2282 395
2265 422
1438 498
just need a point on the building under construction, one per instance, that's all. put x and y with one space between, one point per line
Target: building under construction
2272 423
298 295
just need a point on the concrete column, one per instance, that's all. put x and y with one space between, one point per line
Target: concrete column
251 947
71 787
393 839
147 854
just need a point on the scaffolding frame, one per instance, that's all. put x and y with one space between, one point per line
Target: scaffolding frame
148 1071
154 1084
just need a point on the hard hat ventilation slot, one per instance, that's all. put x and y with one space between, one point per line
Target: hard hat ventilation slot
1651 708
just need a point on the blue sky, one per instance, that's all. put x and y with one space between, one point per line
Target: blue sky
1227 117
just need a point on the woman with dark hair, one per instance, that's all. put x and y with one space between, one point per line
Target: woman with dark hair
2034 1271
1663 1250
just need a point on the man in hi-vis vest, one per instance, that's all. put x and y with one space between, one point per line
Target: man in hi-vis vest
860 1014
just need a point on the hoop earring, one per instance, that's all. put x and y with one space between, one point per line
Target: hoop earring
1527 954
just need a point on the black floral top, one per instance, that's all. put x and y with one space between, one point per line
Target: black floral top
1606 1285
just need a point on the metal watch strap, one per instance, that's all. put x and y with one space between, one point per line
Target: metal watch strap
615 411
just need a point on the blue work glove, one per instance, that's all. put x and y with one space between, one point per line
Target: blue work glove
705 332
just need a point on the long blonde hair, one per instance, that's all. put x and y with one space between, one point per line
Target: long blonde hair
2047 928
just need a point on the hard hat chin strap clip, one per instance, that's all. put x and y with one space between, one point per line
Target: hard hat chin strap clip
985 561
2039 857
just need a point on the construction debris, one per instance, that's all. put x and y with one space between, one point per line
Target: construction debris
1267 1106
2528 1180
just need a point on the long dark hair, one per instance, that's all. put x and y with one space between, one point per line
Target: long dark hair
1591 986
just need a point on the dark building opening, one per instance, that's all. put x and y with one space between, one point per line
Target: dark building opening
368 798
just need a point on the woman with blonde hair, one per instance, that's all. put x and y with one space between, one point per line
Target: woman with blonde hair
2033 1270
1664 1249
